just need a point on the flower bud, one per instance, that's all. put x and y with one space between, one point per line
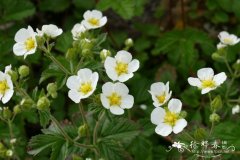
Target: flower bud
214 117
16 109
23 71
26 104
86 44
129 42
183 114
52 89
82 130
13 140
9 153
104 54
216 104
13 75
7 113
76 157
236 65
71 54
217 57
43 103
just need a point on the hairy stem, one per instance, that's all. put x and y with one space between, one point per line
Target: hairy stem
84 119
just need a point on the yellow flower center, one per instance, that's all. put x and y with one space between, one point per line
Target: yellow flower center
121 68
29 44
227 40
161 98
3 86
170 118
94 21
208 84
85 88
114 99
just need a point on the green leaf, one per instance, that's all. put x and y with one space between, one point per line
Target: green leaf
119 129
64 42
110 150
59 150
15 10
54 5
44 118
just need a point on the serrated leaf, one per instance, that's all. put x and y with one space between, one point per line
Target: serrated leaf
44 118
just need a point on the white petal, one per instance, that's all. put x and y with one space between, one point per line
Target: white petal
7 96
94 79
157 88
105 101
116 110
109 65
108 88
87 14
180 124
125 77
157 115
22 35
133 66
222 35
85 74
96 14
163 129
127 102
205 73
175 105
123 56
74 96
220 78
103 21
19 49
206 90
73 82
194 82
121 88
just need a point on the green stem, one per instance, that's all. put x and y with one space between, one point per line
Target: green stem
84 119
211 130
210 97
96 128
228 66
58 64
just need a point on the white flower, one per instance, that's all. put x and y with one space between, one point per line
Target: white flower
221 45
236 109
177 145
82 85
25 42
94 19
50 30
121 67
168 120
160 93
238 61
116 98
77 31
206 80
228 39
6 87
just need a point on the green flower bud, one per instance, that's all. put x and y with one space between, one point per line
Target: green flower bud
200 134
86 44
236 65
76 157
129 42
7 113
71 54
104 54
82 130
2 147
216 104
43 104
13 75
214 117
52 88
26 104
23 71
40 40
217 57
183 114
9 153
86 53
16 109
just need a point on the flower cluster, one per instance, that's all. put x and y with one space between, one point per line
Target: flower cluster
167 119
227 39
